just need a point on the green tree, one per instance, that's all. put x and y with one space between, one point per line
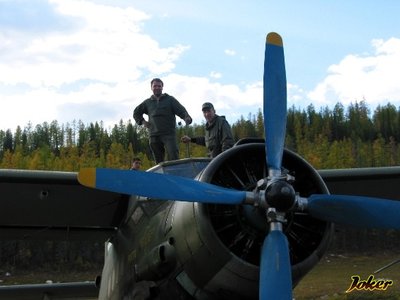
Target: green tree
359 122
378 153
386 121
8 141
117 157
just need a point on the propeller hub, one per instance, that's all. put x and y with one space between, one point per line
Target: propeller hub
280 195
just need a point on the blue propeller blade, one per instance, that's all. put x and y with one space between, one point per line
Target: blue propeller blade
275 267
275 272
355 210
158 186
274 101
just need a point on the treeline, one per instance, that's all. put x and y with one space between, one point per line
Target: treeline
328 138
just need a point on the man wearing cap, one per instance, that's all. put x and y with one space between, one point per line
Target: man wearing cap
218 136
161 110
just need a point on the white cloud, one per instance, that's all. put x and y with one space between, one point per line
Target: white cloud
109 46
373 77
230 52
99 69
296 96
229 100
105 54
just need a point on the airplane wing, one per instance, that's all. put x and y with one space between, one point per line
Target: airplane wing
53 291
383 182
53 205
48 205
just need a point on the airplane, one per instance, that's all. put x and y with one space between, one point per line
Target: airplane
248 224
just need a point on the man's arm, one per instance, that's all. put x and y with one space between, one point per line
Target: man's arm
226 136
138 113
181 111
199 140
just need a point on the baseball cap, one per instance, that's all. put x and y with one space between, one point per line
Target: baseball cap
207 105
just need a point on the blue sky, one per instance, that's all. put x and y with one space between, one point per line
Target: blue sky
93 60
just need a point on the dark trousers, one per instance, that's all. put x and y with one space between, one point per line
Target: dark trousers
164 143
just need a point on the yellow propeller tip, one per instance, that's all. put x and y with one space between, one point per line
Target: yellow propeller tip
87 177
274 39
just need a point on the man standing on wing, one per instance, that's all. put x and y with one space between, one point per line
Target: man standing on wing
161 110
218 136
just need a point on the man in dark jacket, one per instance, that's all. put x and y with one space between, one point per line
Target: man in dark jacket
218 136
161 110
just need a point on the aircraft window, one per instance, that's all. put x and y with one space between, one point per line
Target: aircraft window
184 167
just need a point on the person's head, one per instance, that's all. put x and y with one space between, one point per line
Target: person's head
208 111
136 163
157 86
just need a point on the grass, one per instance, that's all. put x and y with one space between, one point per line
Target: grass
42 275
330 279
327 281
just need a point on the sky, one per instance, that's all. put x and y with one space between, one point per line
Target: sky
93 60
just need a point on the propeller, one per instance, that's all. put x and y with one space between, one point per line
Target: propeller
275 194
168 187
275 281
275 267
366 212
274 102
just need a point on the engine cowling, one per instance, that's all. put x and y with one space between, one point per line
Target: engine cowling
220 251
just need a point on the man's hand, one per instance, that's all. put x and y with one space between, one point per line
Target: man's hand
188 120
146 124
185 139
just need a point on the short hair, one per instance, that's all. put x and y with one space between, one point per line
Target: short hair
156 80
136 159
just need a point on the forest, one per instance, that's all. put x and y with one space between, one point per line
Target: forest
342 137
327 138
